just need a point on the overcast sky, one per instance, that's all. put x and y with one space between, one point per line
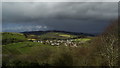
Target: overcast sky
60 0
87 17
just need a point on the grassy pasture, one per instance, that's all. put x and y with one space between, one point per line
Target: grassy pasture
82 39
21 47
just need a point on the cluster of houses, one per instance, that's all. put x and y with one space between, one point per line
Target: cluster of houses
70 43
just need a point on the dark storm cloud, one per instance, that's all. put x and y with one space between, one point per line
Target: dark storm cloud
22 12
61 15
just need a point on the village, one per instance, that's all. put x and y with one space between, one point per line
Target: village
67 42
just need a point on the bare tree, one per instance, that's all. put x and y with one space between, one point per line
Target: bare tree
109 44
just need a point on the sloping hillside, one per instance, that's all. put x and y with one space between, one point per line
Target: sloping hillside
10 37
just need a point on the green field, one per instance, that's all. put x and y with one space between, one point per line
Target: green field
82 39
63 35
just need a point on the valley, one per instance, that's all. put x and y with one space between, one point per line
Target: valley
21 45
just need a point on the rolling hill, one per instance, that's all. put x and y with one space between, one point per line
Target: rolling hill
65 32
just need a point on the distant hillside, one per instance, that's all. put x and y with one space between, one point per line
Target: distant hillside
56 35
66 32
